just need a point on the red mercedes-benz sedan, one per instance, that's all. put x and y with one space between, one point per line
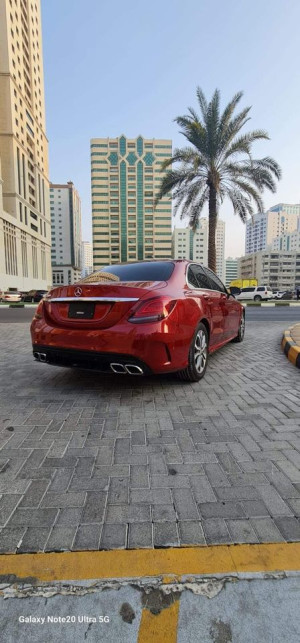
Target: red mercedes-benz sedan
139 318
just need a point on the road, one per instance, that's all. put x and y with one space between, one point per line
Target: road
287 314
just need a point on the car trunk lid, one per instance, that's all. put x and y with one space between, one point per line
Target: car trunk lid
99 305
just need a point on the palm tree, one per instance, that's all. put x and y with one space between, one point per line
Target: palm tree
218 163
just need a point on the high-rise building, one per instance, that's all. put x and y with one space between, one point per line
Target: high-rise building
86 258
25 239
266 226
278 270
288 242
231 267
125 177
65 208
189 244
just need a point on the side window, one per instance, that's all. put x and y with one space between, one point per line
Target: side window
191 277
260 288
202 278
215 281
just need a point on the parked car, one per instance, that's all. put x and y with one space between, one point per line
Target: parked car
1 294
256 293
283 294
34 295
12 296
159 317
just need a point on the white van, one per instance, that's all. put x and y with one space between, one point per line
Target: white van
255 293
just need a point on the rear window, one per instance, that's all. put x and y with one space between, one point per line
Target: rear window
150 271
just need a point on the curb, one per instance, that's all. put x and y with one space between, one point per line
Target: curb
291 348
269 304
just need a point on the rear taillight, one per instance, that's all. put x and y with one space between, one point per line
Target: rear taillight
152 310
39 311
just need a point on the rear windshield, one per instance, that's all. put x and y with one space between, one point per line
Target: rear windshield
150 271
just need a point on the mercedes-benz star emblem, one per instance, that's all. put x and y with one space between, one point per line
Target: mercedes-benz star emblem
78 292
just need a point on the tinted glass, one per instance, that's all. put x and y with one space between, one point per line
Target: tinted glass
247 289
215 281
192 278
261 288
197 278
150 271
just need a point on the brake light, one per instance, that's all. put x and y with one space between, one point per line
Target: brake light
39 311
152 310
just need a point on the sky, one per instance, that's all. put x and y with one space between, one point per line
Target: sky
131 66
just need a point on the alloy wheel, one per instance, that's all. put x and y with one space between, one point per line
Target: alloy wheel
200 351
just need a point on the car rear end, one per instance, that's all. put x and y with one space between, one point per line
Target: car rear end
126 327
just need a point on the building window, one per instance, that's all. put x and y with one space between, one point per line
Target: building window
10 249
24 254
34 259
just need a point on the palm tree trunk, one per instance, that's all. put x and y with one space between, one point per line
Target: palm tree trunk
212 226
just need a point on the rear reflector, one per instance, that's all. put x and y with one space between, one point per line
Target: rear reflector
152 310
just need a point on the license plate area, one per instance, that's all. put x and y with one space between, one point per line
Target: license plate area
81 310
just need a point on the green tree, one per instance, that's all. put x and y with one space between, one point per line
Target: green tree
218 163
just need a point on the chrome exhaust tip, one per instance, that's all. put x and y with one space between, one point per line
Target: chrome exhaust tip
118 368
36 356
133 369
43 357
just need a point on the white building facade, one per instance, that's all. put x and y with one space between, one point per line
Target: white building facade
279 270
189 244
65 210
25 233
86 258
266 226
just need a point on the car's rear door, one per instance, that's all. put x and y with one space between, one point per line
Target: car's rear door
230 308
210 300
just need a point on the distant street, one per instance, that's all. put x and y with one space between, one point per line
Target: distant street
287 314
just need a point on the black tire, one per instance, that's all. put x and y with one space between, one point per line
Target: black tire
241 334
198 356
257 298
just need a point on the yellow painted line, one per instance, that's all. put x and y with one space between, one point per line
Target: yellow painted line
162 627
153 562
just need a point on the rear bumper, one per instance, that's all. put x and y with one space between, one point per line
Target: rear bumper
90 360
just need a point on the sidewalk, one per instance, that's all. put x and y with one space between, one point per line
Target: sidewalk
207 594
291 344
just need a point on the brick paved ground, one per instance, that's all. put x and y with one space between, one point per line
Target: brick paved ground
89 461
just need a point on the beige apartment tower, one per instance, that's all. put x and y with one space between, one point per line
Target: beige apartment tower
25 232
125 177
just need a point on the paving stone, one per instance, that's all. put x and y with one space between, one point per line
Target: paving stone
216 531
113 536
169 482
61 538
151 496
140 535
8 503
34 493
191 533
34 539
10 537
185 504
127 513
202 489
94 507
289 528
69 517
237 493
139 476
87 537
70 499
88 484
222 510
164 513
165 534
273 501
255 508
118 491
242 531
32 517
61 480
